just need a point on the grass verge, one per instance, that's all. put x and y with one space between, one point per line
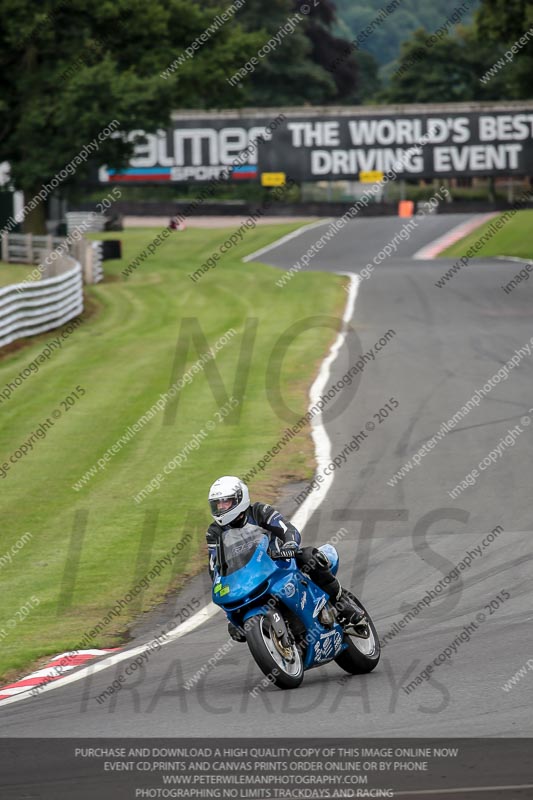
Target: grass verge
14 273
514 239
89 547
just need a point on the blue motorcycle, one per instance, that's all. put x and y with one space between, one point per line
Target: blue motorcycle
290 624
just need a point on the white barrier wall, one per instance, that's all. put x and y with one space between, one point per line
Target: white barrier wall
30 308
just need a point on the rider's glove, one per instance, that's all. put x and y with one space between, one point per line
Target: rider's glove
211 565
288 550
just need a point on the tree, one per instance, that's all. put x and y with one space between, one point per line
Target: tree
387 37
295 71
501 24
458 66
448 70
368 81
504 20
68 68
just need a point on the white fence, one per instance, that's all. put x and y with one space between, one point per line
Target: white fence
25 248
86 220
30 308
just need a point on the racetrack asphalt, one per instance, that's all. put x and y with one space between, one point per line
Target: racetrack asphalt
402 539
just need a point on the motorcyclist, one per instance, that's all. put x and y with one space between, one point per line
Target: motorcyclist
229 500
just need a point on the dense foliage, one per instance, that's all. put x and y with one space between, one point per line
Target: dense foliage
68 68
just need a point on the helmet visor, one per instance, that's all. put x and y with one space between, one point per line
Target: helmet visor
221 505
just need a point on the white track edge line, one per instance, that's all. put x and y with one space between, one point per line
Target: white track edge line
288 236
318 431
515 258
300 518
175 633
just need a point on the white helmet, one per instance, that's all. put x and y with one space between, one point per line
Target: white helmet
228 498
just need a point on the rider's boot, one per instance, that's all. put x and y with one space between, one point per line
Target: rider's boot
349 613
316 564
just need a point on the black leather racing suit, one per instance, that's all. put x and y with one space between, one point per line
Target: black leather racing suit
310 560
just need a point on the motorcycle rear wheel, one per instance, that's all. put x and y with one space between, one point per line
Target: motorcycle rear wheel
284 671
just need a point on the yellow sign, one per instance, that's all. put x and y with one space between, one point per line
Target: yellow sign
371 177
273 179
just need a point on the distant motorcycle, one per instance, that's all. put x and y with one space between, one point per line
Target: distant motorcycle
290 624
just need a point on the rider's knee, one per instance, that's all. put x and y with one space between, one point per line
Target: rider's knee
322 561
313 560
304 558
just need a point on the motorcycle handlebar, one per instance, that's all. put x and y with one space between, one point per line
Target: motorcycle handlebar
284 553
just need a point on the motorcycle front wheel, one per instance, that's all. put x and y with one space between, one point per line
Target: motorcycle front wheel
282 665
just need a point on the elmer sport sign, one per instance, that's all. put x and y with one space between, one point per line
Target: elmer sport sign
316 144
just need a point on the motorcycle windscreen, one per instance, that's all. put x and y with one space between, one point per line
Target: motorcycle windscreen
240 544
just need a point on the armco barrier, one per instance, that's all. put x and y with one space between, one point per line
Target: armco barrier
38 306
